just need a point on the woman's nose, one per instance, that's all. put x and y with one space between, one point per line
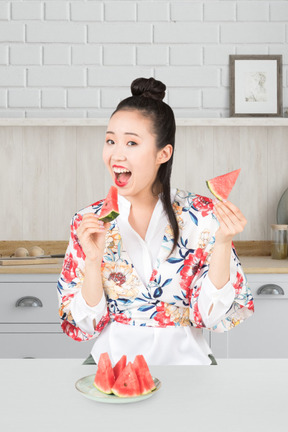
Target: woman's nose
118 153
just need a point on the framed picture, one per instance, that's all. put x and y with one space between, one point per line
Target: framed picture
255 85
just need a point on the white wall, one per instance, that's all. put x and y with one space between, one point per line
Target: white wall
78 58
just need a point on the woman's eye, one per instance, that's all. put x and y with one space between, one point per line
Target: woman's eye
109 141
131 143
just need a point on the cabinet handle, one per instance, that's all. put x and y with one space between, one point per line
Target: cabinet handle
29 301
270 289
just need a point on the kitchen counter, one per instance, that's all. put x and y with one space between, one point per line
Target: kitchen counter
236 395
251 264
263 264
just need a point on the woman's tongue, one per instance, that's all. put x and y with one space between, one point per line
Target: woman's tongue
122 179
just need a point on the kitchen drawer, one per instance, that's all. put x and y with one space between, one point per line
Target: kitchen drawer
264 334
45 345
44 293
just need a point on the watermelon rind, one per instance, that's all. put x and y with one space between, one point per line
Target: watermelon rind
109 217
127 384
146 382
110 209
104 378
210 187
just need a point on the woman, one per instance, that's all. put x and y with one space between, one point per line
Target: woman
148 282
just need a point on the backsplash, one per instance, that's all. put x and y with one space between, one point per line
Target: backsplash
47 173
78 58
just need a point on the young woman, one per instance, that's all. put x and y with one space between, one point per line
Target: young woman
151 280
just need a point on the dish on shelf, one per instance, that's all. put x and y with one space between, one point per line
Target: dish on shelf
282 209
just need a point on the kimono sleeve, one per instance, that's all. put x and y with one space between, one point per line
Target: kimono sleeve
69 285
242 307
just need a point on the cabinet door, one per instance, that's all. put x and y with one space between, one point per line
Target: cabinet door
42 345
37 303
263 335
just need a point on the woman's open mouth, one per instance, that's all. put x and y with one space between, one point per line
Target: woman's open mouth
122 175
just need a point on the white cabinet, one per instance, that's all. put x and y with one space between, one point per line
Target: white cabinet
34 330
263 335
29 321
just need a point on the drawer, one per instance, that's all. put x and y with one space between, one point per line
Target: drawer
46 345
45 294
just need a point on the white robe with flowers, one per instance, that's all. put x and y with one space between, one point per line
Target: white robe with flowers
158 309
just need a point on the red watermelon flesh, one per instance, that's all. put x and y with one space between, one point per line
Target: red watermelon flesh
110 209
119 366
221 186
127 384
143 374
104 378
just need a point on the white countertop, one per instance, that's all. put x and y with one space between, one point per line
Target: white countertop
237 395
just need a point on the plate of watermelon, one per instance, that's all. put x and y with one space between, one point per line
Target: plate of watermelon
123 383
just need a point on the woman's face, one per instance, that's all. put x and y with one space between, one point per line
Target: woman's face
130 153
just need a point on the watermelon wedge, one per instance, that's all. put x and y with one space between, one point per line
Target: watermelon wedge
119 366
143 374
104 378
110 210
127 384
221 186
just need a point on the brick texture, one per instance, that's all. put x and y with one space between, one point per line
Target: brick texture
74 58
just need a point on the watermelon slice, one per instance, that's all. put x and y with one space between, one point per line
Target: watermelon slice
110 210
104 378
143 374
119 366
127 384
221 186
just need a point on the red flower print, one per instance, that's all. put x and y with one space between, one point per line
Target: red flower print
153 276
71 331
162 317
103 322
250 305
69 268
197 316
121 318
76 242
192 266
203 204
117 277
238 285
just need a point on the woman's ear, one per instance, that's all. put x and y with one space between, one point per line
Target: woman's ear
165 154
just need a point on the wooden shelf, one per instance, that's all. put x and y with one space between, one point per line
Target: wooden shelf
207 122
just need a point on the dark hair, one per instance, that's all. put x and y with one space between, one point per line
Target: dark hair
147 97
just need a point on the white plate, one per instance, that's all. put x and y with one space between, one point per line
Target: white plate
85 386
282 209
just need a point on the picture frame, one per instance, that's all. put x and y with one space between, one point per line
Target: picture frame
255 85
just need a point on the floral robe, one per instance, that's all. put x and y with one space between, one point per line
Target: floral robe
171 296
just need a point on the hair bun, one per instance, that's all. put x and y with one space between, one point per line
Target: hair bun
148 87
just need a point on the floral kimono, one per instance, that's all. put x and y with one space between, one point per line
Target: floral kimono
171 296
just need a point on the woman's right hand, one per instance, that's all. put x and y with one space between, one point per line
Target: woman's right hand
91 233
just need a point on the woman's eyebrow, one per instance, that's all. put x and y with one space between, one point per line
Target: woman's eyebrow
125 133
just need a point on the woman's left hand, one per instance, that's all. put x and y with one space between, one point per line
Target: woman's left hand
231 219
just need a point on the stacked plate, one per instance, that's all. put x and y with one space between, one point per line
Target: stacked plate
282 209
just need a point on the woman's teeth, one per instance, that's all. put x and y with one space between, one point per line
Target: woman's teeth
120 170
122 176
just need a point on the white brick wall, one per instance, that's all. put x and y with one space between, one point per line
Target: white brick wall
74 58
